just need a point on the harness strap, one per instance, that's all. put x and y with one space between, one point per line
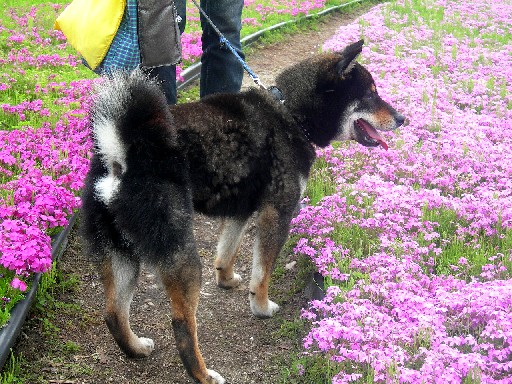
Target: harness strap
276 93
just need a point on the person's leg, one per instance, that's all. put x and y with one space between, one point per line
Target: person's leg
166 75
181 9
220 70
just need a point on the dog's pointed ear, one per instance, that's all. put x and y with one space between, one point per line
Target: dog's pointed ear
348 58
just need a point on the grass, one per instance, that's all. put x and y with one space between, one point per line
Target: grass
320 183
9 296
11 373
47 309
285 285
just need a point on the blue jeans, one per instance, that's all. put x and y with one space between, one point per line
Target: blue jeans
220 69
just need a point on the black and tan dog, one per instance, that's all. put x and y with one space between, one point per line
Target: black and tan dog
228 155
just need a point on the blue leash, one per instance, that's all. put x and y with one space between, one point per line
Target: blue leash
225 41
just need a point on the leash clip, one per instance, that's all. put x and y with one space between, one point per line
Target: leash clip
258 82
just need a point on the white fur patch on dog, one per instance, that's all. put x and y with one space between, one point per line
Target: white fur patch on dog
257 268
230 238
148 343
218 379
347 131
106 188
110 146
267 312
303 181
111 150
125 276
110 104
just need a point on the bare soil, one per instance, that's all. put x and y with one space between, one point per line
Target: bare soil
76 347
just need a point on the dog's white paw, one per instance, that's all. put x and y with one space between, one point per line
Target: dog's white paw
263 312
231 283
146 346
214 377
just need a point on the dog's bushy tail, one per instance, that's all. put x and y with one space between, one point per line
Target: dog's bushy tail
129 109
132 128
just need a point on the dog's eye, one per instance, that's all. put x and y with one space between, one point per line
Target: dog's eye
368 96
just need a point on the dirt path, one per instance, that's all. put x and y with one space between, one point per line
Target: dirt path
233 342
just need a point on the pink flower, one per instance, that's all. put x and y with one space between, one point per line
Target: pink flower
19 284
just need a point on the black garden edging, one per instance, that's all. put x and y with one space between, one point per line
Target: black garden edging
194 71
9 333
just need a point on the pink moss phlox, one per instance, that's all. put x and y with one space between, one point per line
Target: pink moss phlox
391 312
50 163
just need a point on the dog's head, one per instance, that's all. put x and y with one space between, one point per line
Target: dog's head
365 113
335 98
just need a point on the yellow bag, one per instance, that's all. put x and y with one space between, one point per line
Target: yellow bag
90 26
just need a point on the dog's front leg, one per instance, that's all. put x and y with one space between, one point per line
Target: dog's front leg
227 249
272 231
182 283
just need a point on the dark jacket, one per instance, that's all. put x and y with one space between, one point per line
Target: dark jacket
158 32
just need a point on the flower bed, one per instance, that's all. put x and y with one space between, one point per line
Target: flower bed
416 241
44 144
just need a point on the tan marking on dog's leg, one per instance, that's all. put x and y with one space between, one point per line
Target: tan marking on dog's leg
271 234
119 281
182 284
227 250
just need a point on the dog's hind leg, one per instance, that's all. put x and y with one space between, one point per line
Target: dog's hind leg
119 276
272 231
227 249
182 282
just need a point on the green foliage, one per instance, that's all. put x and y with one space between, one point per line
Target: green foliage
46 309
189 94
310 369
11 371
319 369
8 295
320 183
456 246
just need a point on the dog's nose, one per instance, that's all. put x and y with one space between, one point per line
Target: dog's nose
400 119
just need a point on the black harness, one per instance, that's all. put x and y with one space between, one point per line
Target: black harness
276 93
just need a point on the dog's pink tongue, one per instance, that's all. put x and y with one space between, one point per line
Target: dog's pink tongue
370 131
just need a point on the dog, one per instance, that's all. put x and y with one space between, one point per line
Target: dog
227 155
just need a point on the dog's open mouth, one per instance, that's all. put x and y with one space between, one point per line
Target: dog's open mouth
367 135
